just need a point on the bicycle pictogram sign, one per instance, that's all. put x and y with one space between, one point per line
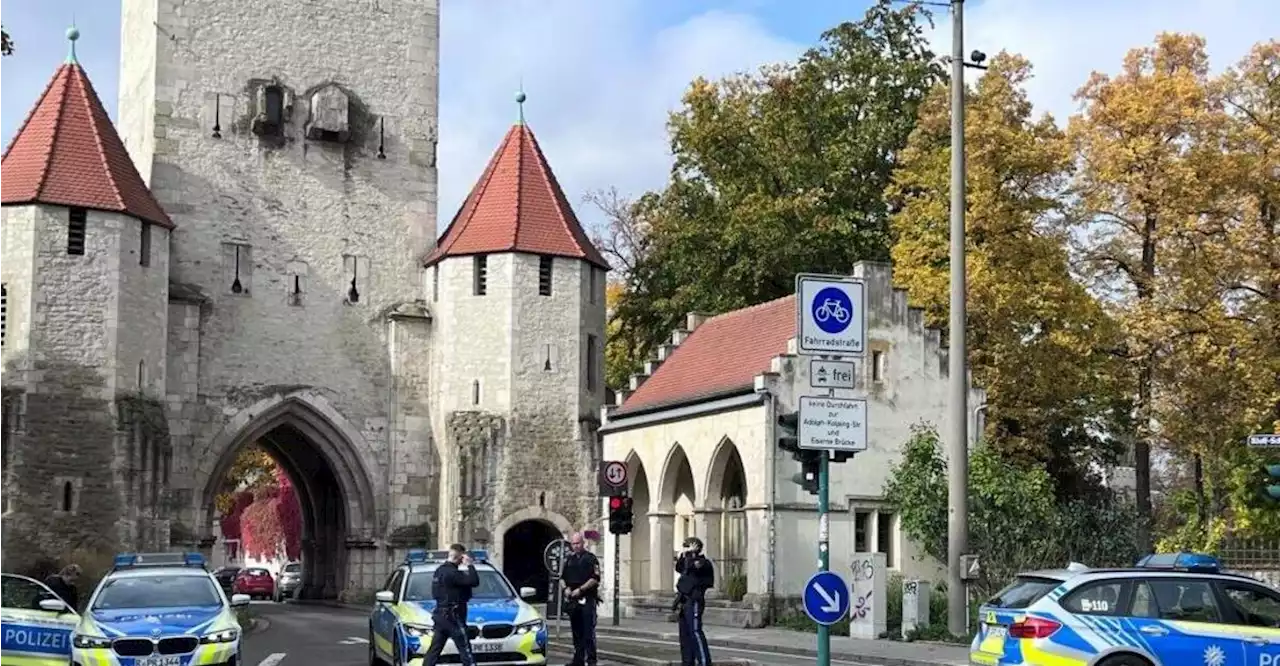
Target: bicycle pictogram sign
832 310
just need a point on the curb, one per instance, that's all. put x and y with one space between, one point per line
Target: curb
632 660
332 604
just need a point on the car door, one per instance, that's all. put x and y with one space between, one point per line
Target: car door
1256 610
1181 622
384 616
30 631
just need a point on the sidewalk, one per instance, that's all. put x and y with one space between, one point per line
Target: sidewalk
800 643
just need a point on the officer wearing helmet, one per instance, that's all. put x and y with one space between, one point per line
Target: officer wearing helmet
696 577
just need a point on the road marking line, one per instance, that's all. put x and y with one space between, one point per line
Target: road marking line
272 659
353 640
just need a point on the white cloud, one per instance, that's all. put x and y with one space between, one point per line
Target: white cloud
600 80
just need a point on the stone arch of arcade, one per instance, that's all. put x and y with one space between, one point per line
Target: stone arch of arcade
329 463
635 575
724 511
522 538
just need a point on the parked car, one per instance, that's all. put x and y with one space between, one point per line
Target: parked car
290 580
255 582
226 576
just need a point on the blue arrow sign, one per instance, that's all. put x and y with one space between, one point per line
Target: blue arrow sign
826 598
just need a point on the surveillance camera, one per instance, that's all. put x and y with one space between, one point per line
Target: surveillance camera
977 57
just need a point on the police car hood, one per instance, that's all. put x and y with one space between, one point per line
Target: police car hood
157 621
491 611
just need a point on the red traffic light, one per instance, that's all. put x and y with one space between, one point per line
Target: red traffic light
615 502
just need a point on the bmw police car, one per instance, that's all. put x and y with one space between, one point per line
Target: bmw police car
158 609
503 628
36 628
1170 610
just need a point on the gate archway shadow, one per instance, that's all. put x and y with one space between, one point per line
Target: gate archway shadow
522 549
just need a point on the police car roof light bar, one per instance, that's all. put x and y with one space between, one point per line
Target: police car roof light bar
1191 562
421 556
130 560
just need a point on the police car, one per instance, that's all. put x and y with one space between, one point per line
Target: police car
1175 609
158 609
36 628
503 628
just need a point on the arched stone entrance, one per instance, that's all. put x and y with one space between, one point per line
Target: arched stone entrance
522 547
724 514
637 547
328 462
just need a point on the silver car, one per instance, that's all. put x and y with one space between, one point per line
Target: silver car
289 582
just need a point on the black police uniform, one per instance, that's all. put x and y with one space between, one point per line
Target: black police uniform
579 568
696 577
63 589
451 588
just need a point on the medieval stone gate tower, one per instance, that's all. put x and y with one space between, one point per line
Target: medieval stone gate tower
269 274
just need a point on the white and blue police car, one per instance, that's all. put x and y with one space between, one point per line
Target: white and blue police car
503 628
36 627
158 609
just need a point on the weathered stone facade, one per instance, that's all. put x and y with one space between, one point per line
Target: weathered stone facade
297 161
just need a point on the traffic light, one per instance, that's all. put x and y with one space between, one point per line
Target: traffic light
788 432
620 515
810 465
1272 488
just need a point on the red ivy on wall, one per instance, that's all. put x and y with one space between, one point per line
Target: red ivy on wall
267 521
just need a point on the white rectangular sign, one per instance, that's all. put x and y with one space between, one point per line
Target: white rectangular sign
1264 441
832 316
831 374
832 424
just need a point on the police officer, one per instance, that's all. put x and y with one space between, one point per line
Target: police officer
696 577
581 579
451 587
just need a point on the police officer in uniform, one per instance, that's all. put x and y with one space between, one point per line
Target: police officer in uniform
581 579
451 587
696 577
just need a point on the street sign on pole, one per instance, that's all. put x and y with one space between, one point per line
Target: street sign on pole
826 598
826 374
970 567
1264 441
553 557
833 424
832 315
613 478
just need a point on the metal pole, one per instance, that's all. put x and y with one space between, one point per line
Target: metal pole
958 444
824 559
617 575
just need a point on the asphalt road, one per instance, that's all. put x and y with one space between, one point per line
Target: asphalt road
304 635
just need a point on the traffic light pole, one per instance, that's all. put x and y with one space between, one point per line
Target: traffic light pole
824 555
617 576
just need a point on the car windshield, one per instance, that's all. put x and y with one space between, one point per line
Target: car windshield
492 586
292 568
1022 592
157 592
256 572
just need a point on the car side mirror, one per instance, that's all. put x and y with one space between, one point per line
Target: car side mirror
527 593
385 596
54 605
239 600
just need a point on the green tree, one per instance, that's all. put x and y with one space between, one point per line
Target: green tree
1039 343
779 172
6 44
1147 177
1014 521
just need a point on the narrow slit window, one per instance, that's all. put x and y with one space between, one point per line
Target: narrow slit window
142 374
295 291
273 98
238 263
77 221
144 245
4 311
475 392
481 275
591 362
877 365
545 266
68 496
546 358
594 284
435 283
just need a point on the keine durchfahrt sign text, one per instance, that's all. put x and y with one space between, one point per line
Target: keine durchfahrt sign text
833 424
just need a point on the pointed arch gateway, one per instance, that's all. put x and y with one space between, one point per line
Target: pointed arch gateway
328 462
726 492
636 550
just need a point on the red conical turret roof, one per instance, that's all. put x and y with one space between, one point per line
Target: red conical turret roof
67 153
517 206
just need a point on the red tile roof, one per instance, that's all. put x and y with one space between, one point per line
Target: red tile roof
517 206
725 353
67 153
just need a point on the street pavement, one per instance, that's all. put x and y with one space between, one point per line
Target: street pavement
296 634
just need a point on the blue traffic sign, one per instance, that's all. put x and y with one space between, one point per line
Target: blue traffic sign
826 598
832 310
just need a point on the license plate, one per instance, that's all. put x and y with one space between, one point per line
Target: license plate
167 660
487 647
997 631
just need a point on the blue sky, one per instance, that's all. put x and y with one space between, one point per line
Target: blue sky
640 55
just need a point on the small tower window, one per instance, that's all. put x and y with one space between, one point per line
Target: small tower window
546 358
481 275
545 266
591 362
877 365
144 245
296 278
142 374
274 98
356 272
77 219
238 263
435 283
594 283
4 311
68 496
475 392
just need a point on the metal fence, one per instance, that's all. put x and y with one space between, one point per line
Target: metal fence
1250 554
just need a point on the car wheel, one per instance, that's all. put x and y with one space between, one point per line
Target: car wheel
1125 660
